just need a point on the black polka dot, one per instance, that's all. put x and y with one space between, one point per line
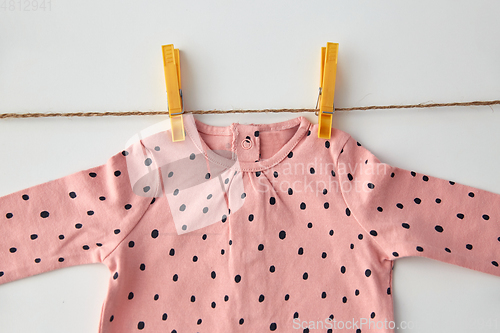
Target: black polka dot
34 236
399 205
323 294
12 250
471 194
172 252
213 305
193 298
273 327
287 297
157 148
368 272
420 249
327 144
98 244
207 176
257 174
417 201
230 242
142 267
102 198
380 209
425 178
373 232
389 291
305 276
447 250
204 237
130 295
85 247
460 216
371 186
342 269
405 225
333 173
261 298
243 195
351 246
61 237
494 263
344 299
468 246
146 189
78 226
309 225
237 278
115 276
349 176
272 200
395 254
300 251
72 195
44 214
438 200
205 210
272 269
413 173
182 207
356 292
331 232
226 298
452 183
260 247
326 205
154 233
486 217
372 315
323 255
175 277
347 212
124 153
93 174
128 206
224 218
312 171
241 321
117 173
302 205
290 154
148 161
290 191
90 212
164 316
199 322
192 156
282 234
9 215
275 174
111 318
60 259
438 228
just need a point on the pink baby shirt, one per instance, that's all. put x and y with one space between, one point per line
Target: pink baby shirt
247 228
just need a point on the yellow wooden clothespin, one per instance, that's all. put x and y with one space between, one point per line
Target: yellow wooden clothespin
174 93
327 89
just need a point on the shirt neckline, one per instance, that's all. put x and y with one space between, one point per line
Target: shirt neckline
193 127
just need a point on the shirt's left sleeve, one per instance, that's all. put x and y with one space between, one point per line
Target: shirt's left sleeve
412 214
77 219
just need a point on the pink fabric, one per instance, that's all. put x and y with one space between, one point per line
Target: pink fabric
304 230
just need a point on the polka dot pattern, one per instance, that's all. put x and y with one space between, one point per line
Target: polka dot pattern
300 244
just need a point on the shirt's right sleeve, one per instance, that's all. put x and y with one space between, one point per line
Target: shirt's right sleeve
77 219
411 214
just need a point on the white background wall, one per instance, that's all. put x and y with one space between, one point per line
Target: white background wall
106 56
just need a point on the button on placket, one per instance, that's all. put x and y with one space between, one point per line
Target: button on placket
247 143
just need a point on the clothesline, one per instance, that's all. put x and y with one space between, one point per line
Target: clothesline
163 112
